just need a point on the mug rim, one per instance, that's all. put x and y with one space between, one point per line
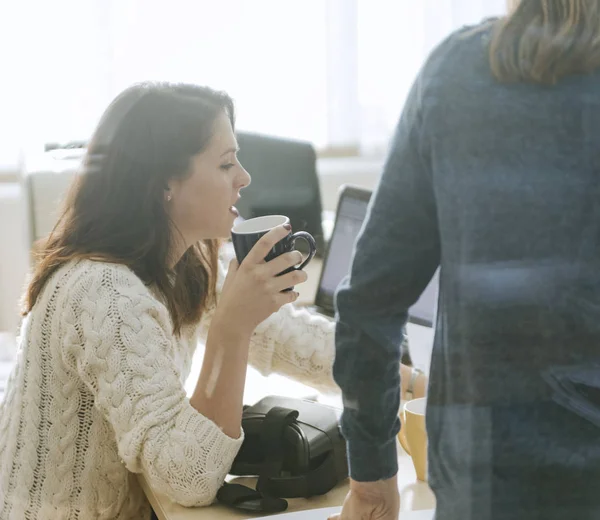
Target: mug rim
421 406
282 219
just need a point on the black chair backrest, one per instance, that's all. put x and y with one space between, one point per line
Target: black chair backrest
284 182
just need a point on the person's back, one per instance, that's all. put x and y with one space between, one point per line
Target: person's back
516 177
493 175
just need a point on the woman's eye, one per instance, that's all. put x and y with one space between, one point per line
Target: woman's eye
226 167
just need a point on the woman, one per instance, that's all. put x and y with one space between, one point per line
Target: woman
112 315
494 176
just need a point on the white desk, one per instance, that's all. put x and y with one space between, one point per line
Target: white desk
415 495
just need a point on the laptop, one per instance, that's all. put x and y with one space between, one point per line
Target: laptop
350 216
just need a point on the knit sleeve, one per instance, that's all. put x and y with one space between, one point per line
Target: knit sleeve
119 338
292 342
295 343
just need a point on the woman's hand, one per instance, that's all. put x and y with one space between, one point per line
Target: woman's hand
253 290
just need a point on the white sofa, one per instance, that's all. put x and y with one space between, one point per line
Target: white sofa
28 211
46 182
14 257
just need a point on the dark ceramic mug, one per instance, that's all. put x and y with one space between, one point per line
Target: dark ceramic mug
247 233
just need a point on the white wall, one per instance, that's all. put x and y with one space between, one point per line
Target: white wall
334 173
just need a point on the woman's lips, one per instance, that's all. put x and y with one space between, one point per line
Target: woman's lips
234 210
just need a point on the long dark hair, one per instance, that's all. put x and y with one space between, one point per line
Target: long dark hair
115 210
542 41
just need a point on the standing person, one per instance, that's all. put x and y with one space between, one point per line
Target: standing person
494 175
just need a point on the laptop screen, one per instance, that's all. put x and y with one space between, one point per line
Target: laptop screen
351 214
350 217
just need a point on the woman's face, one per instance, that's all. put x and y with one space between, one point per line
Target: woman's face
202 204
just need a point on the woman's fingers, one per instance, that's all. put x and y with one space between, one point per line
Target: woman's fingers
284 262
286 297
263 247
280 283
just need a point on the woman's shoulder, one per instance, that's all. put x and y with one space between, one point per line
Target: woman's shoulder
106 290
96 278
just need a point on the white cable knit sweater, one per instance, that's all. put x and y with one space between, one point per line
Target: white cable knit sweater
97 394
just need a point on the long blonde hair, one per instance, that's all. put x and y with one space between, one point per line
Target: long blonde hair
542 41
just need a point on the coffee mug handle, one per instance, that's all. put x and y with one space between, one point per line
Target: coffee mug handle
402 432
311 244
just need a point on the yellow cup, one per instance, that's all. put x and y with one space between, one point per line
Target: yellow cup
413 436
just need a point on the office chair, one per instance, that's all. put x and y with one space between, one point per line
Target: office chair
284 182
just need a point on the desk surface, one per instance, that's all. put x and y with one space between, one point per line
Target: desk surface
415 495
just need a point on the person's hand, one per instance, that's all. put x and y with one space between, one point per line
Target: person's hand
420 384
253 290
371 501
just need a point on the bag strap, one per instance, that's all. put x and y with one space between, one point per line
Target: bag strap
247 499
315 482
260 500
271 438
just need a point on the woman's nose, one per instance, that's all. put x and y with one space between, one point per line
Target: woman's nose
244 178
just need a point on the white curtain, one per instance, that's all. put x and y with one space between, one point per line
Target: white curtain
395 37
335 72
